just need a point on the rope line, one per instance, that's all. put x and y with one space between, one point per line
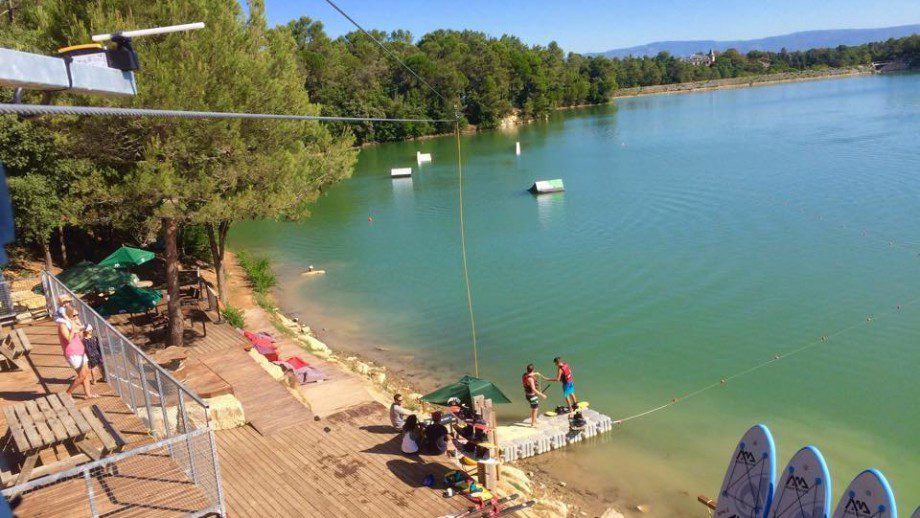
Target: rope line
808 345
466 272
105 111
385 49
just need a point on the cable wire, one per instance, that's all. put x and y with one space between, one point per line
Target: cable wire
388 51
105 111
466 272
821 340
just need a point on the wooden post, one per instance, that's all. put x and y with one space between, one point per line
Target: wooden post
487 474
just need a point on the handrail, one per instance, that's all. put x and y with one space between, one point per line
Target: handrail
50 479
135 348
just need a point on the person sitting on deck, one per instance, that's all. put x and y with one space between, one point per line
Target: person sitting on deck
436 439
564 374
532 393
412 435
398 413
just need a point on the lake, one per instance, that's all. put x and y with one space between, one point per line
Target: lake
699 236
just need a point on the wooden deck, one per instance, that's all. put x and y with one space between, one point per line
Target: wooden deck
285 462
149 484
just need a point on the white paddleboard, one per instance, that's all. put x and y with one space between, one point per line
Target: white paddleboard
747 489
804 489
867 496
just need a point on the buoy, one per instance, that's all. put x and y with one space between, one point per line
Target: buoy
421 158
400 172
547 186
517 148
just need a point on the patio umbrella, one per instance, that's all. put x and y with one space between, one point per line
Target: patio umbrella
87 277
130 299
465 389
127 256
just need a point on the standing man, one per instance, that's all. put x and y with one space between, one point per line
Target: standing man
564 374
532 393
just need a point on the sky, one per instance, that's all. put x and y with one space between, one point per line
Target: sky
598 25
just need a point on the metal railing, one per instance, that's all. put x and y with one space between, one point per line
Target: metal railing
172 413
18 302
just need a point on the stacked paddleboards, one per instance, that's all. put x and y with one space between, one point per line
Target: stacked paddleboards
750 489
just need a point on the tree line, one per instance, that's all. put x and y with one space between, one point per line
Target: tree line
488 78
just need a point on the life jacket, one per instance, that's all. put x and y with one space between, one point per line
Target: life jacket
566 373
524 379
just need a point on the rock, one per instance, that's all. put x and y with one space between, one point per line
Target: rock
516 479
642 508
226 412
563 484
415 396
612 513
379 377
551 508
273 370
315 346
362 368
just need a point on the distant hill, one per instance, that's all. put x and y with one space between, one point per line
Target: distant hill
795 41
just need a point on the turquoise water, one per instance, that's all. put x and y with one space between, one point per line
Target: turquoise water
699 235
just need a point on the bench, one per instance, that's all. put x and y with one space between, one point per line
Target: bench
13 346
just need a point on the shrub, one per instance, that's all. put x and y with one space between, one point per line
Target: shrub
234 317
259 271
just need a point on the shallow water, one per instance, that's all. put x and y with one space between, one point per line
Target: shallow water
699 235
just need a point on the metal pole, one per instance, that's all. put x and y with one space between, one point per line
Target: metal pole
220 489
89 493
143 374
163 406
188 440
124 362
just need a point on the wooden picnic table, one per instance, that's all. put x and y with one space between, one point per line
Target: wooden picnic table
53 421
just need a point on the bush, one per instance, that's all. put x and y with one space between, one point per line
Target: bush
234 317
193 243
259 271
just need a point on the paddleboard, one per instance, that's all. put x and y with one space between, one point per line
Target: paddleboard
916 513
804 489
868 495
582 405
747 489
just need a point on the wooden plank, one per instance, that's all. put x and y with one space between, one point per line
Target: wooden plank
22 444
28 427
39 419
24 341
61 412
107 440
60 434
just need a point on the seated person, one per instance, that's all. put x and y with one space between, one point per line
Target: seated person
436 439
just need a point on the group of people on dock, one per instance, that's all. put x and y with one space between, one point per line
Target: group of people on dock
533 393
80 346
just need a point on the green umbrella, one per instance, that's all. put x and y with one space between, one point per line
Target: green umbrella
130 299
87 277
465 389
127 256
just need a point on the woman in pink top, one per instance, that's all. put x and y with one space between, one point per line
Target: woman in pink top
69 333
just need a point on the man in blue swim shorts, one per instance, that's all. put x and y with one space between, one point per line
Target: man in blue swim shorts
564 374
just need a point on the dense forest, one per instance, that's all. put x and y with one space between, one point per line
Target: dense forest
489 78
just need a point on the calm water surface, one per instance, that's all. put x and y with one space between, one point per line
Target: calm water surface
699 235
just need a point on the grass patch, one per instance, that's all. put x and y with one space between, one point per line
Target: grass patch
234 317
259 271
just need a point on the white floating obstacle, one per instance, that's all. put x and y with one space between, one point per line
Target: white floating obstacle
551 433
546 186
517 148
422 157
400 172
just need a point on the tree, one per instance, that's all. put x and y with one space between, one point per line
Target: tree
175 172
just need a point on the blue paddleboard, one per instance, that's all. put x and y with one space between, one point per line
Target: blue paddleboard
747 489
804 489
867 496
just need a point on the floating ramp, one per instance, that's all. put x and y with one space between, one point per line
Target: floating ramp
400 172
547 186
520 441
